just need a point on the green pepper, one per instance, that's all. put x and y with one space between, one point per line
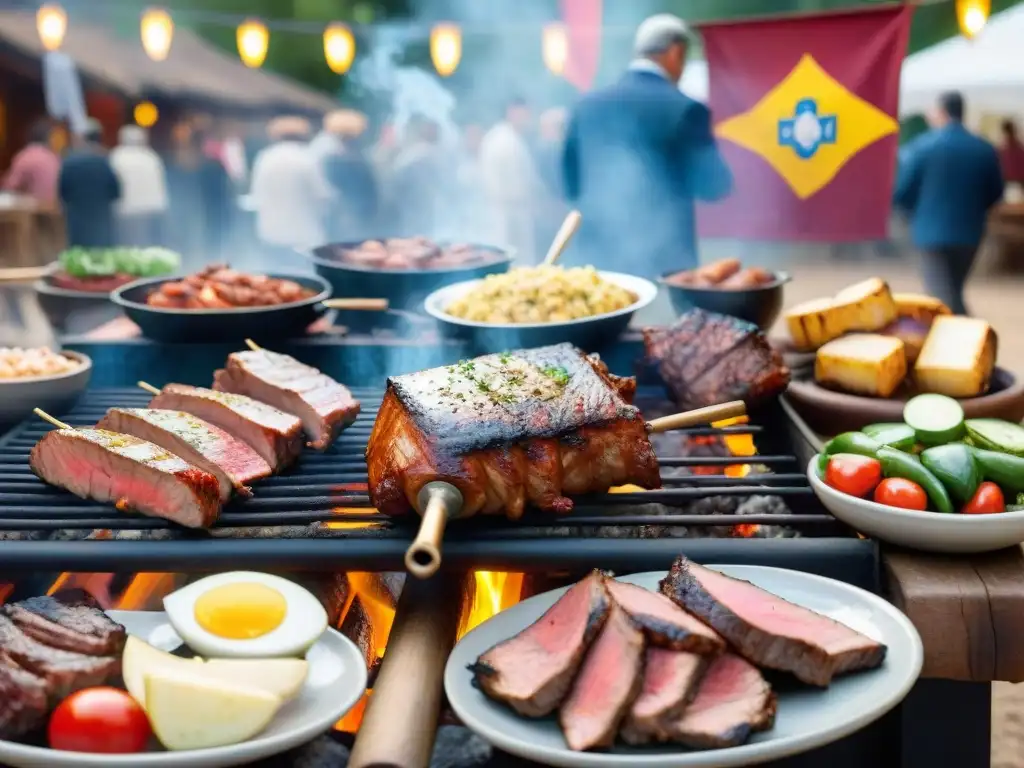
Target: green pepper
1003 469
896 463
852 442
896 434
955 467
822 464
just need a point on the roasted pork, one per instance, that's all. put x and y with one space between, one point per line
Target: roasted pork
607 684
235 464
665 623
133 474
70 620
670 683
769 631
533 671
324 405
533 426
275 435
705 359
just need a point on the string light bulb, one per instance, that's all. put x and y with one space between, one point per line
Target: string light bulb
555 47
339 48
52 24
972 16
146 114
253 40
157 33
445 48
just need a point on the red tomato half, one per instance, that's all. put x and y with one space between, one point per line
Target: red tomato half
988 499
905 494
99 720
853 474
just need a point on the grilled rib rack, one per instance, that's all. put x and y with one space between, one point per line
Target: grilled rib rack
284 523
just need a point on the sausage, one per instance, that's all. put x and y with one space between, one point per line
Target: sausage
717 271
751 277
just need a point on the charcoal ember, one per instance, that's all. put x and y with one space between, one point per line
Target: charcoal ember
312 531
768 505
152 534
324 752
358 627
458 747
25 535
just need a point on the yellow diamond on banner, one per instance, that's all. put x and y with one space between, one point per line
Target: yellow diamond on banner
808 127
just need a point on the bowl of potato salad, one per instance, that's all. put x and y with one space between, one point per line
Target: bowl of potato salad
40 378
536 306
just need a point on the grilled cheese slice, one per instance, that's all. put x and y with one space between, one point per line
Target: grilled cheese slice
866 306
862 364
958 357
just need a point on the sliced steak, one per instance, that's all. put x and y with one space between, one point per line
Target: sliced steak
324 405
235 464
64 672
607 685
24 701
665 623
670 683
533 671
272 433
70 620
732 702
769 631
133 474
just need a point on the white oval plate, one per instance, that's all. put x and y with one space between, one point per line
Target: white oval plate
927 531
336 681
807 717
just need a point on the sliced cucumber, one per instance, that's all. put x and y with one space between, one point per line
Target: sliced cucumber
997 435
899 435
936 419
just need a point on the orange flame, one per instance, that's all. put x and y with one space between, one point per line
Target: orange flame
493 592
738 445
96 584
352 488
146 591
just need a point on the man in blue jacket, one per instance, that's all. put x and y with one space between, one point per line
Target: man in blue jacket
948 181
637 154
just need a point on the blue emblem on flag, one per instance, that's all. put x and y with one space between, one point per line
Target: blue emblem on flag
807 130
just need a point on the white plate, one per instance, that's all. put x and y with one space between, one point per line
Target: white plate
807 718
337 680
928 531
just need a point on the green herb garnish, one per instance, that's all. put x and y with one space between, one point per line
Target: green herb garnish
556 373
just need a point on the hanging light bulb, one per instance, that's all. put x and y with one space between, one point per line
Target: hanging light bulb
445 48
146 114
555 47
972 15
157 33
51 23
253 39
339 48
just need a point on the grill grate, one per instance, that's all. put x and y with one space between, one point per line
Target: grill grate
296 504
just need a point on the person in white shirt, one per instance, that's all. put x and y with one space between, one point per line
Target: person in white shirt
511 181
143 204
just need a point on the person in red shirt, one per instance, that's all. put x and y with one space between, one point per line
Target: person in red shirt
35 169
1011 154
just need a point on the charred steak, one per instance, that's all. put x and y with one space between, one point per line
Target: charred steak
272 433
70 620
670 683
706 358
532 426
324 405
769 631
24 700
533 671
608 683
665 624
132 473
234 463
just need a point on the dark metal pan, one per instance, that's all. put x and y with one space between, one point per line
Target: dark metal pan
211 325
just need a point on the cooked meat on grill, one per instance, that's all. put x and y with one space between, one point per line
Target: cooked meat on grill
533 671
532 426
670 683
275 435
70 620
234 463
24 702
706 358
607 685
324 405
732 702
769 631
133 474
665 624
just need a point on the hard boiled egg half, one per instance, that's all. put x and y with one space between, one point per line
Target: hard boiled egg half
245 614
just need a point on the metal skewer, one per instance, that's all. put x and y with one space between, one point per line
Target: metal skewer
565 234
438 502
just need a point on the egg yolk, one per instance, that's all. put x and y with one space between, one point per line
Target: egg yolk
241 611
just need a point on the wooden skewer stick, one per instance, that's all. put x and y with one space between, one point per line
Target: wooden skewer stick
148 387
438 503
370 305
47 417
565 234
25 274
698 416
253 345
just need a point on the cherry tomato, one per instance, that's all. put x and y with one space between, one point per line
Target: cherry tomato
99 720
853 474
987 500
898 492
